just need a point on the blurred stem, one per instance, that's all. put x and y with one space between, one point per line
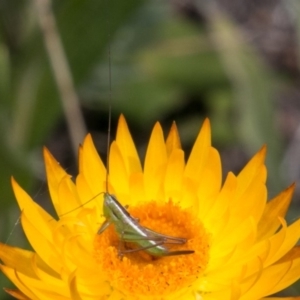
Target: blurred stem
62 73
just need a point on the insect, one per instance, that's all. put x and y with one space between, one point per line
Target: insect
129 229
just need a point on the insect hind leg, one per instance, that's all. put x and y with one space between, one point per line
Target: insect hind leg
122 252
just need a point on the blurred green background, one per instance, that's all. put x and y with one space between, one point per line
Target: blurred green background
236 62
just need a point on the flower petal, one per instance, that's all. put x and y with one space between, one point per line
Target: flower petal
277 207
54 174
155 163
270 280
136 188
254 169
174 175
34 211
127 147
43 246
87 198
68 197
118 173
17 258
209 187
73 287
173 139
16 294
215 207
12 275
92 167
291 236
44 290
198 157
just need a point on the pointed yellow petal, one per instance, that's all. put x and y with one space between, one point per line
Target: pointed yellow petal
12 275
210 185
251 202
290 237
80 159
275 208
54 174
137 191
34 211
237 243
44 247
275 243
44 290
73 287
252 170
269 281
174 175
289 277
92 167
173 139
294 253
155 163
198 157
189 194
49 295
17 258
214 208
84 191
68 197
127 147
118 172
16 294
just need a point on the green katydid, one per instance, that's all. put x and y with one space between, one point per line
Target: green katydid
129 230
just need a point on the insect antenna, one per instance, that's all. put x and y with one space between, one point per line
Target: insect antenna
109 95
109 116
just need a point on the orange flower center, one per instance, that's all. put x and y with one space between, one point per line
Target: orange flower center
138 273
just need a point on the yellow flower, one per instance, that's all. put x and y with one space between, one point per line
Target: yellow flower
243 247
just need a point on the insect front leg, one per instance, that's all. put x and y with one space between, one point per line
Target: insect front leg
104 226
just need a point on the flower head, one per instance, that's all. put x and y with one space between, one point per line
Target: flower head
243 247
